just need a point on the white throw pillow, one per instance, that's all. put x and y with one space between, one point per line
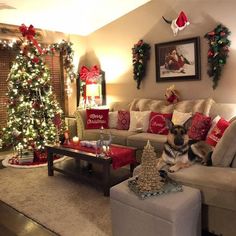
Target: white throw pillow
139 120
113 118
179 117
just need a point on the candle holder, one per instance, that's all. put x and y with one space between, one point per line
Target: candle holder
67 138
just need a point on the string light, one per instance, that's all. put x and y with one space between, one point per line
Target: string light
63 47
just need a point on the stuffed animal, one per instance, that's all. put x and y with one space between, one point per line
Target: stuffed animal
171 95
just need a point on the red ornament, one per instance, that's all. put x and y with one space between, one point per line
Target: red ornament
210 53
35 60
36 105
222 34
212 33
57 120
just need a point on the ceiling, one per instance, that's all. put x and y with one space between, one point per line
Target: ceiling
80 17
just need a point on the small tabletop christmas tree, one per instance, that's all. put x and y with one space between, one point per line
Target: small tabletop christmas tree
149 178
34 115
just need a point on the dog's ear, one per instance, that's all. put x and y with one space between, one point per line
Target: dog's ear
187 123
169 124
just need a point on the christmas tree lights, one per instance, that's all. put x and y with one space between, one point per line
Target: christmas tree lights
34 115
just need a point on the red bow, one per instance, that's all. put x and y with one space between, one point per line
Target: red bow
29 33
89 76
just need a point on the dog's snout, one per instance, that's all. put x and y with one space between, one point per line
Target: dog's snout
178 140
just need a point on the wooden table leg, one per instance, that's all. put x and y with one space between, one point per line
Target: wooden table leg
50 164
106 179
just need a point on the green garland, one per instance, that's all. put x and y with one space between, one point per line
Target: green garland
140 53
217 52
63 47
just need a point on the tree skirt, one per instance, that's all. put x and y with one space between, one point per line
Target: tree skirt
6 163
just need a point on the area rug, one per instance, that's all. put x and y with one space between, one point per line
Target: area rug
60 203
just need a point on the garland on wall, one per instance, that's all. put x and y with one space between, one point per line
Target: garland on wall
141 54
218 51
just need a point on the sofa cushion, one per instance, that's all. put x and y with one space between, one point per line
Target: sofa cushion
123 121
140 140
217 132
179 117
199 127
225 149
157 123
217 185
96 118
113 118
144 104
199 105
226 110
120 136
139 120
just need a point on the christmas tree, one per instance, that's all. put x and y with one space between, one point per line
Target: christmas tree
34 115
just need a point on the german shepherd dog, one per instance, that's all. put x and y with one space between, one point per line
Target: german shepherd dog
175 153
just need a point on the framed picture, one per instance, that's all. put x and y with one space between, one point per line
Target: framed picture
178 60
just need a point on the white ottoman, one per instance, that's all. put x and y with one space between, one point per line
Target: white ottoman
172 214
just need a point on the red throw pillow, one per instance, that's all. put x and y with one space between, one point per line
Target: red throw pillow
123 120
217 132
157 123
199 127
95 118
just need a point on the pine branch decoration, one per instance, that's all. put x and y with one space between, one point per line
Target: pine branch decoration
218 52
141 54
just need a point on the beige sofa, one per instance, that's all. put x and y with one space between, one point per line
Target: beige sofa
217 184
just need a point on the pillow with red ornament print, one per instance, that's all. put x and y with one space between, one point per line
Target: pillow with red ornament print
96 118
199 127
123 120
217 132
157 123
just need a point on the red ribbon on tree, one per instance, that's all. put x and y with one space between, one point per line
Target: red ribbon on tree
29 33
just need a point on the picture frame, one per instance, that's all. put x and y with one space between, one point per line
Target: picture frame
178 60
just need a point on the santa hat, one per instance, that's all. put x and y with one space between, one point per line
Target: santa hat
182 21
179 23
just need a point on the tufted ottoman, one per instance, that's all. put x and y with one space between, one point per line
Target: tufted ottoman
172 214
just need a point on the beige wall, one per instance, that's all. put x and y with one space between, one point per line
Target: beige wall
111 46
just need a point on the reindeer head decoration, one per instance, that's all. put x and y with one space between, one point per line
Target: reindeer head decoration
179 23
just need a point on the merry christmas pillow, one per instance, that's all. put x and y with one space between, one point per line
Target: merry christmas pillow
199 127
123 120
96 118
217 132
157 123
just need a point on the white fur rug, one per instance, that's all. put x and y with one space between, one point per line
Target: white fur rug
60 203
